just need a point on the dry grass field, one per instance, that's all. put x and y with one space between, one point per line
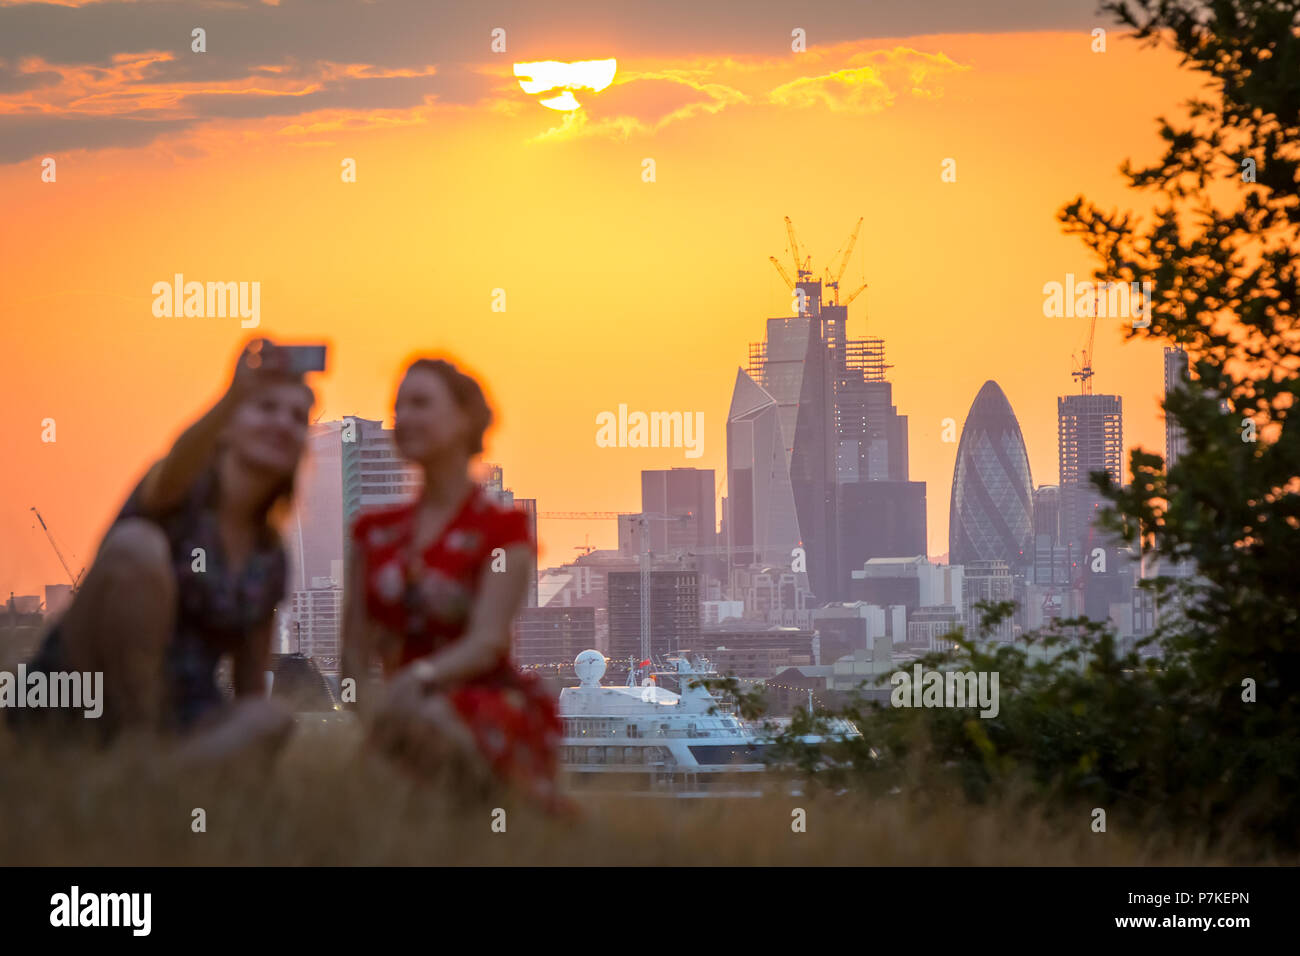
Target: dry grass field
320 804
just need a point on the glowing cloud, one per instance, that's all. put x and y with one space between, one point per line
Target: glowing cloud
557 81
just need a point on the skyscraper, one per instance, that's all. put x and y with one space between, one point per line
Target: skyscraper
680 491
762 525
494 484
792 367
674 610
314 536
1090 432
842 433
1175 377
991 515
374 473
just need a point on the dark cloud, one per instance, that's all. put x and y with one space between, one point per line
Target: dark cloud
12 81
295 39
25 135
357 94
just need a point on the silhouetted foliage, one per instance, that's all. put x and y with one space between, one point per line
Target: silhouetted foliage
1160 733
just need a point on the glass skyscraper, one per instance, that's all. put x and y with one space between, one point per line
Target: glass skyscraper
991 517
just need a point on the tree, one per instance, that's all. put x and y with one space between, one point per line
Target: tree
1222 256
1172 737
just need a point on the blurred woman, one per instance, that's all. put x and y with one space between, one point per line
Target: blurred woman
191 570
433 588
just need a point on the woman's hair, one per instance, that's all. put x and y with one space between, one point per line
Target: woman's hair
278 506
467 393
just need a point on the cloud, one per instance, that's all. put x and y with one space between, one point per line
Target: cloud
299 57
644 102
872 86
23 136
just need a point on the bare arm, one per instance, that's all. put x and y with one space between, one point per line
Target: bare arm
168 481
500 596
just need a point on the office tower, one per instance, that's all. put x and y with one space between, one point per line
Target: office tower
494 484
674 610
989 581
688 492
928 626
762 524
1090 432
1176 376
792 366
877 519
1051 557
315 530
549 638
841 431
316 622
374 473
991 512
1047 513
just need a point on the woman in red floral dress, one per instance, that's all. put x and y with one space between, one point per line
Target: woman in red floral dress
434 586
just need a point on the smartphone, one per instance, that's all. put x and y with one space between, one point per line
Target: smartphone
304 358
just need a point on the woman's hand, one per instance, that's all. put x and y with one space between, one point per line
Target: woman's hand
259 360
411 684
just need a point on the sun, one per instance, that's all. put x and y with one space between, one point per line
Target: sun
555 80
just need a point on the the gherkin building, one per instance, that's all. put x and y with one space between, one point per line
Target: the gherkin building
991 517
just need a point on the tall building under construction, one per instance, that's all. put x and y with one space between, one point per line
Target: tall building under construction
1090 437
813 424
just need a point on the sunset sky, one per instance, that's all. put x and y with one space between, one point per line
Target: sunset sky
225 166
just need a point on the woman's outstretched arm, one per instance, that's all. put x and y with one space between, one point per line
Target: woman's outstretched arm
169 479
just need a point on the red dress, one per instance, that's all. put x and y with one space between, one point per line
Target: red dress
513 719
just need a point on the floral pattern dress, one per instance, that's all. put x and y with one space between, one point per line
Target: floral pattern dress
513 719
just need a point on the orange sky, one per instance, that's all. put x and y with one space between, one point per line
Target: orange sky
618 291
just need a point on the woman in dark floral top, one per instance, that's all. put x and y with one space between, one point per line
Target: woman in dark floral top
191 571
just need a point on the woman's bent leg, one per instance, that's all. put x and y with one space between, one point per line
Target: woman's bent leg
121 622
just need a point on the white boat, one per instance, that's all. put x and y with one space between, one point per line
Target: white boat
646 739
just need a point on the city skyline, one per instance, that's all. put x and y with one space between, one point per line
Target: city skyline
635 330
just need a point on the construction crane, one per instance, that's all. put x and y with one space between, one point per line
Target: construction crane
75 579
1083 369
833 281
789 283
803 269
580 515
